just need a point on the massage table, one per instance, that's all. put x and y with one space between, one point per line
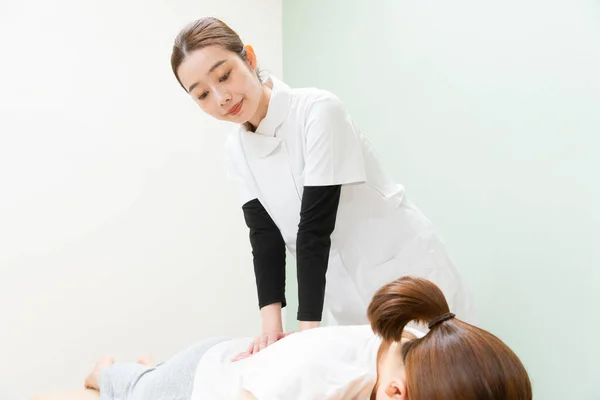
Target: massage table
82 394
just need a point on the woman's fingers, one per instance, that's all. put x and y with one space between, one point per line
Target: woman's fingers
241 356
259 344
272 339
250 347
265 341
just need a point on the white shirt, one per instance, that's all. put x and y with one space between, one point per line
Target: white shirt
307 138
331 363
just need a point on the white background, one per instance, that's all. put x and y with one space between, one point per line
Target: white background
119 232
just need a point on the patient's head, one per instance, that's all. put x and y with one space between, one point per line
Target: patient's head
453 361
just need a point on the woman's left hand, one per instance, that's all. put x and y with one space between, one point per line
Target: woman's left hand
260 343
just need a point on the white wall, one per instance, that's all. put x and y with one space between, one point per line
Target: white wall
489 113
118 229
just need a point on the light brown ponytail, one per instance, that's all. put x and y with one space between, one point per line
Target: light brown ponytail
402 301
455 360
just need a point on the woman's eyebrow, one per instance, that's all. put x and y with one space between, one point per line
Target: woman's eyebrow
215 66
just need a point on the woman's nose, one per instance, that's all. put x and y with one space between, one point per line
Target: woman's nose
224 98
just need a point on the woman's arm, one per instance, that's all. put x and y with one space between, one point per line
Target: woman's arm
271 318
268 250
317 222
333 157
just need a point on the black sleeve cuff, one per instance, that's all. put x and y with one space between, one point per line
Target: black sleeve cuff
310 317
265 303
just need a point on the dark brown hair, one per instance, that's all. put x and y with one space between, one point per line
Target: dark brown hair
455 360
202 33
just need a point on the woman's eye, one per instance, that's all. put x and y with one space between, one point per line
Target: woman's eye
225 77
203 96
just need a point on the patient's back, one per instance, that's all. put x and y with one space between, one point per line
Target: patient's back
325 363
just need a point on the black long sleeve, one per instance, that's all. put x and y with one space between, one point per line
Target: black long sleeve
268 249
317 222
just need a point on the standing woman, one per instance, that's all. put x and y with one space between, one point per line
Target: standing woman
308 180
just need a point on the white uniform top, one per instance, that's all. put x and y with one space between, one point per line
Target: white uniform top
332 363
307 138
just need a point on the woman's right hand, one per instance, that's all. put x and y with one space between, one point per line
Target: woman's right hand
260 343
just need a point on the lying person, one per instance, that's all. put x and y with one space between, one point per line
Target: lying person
453 360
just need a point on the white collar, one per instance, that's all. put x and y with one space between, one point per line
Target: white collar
277 111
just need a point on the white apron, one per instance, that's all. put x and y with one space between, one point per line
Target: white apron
307 139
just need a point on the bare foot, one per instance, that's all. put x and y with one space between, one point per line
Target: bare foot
91 382
146 360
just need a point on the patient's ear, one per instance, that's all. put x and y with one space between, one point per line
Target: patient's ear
396 389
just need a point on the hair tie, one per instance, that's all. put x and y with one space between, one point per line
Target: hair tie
440 319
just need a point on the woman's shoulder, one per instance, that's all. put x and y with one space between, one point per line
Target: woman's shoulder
313 104
314 94
311 97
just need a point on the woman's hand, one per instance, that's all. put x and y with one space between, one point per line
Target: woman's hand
260 343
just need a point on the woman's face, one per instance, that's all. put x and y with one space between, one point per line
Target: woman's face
225 86
390 373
